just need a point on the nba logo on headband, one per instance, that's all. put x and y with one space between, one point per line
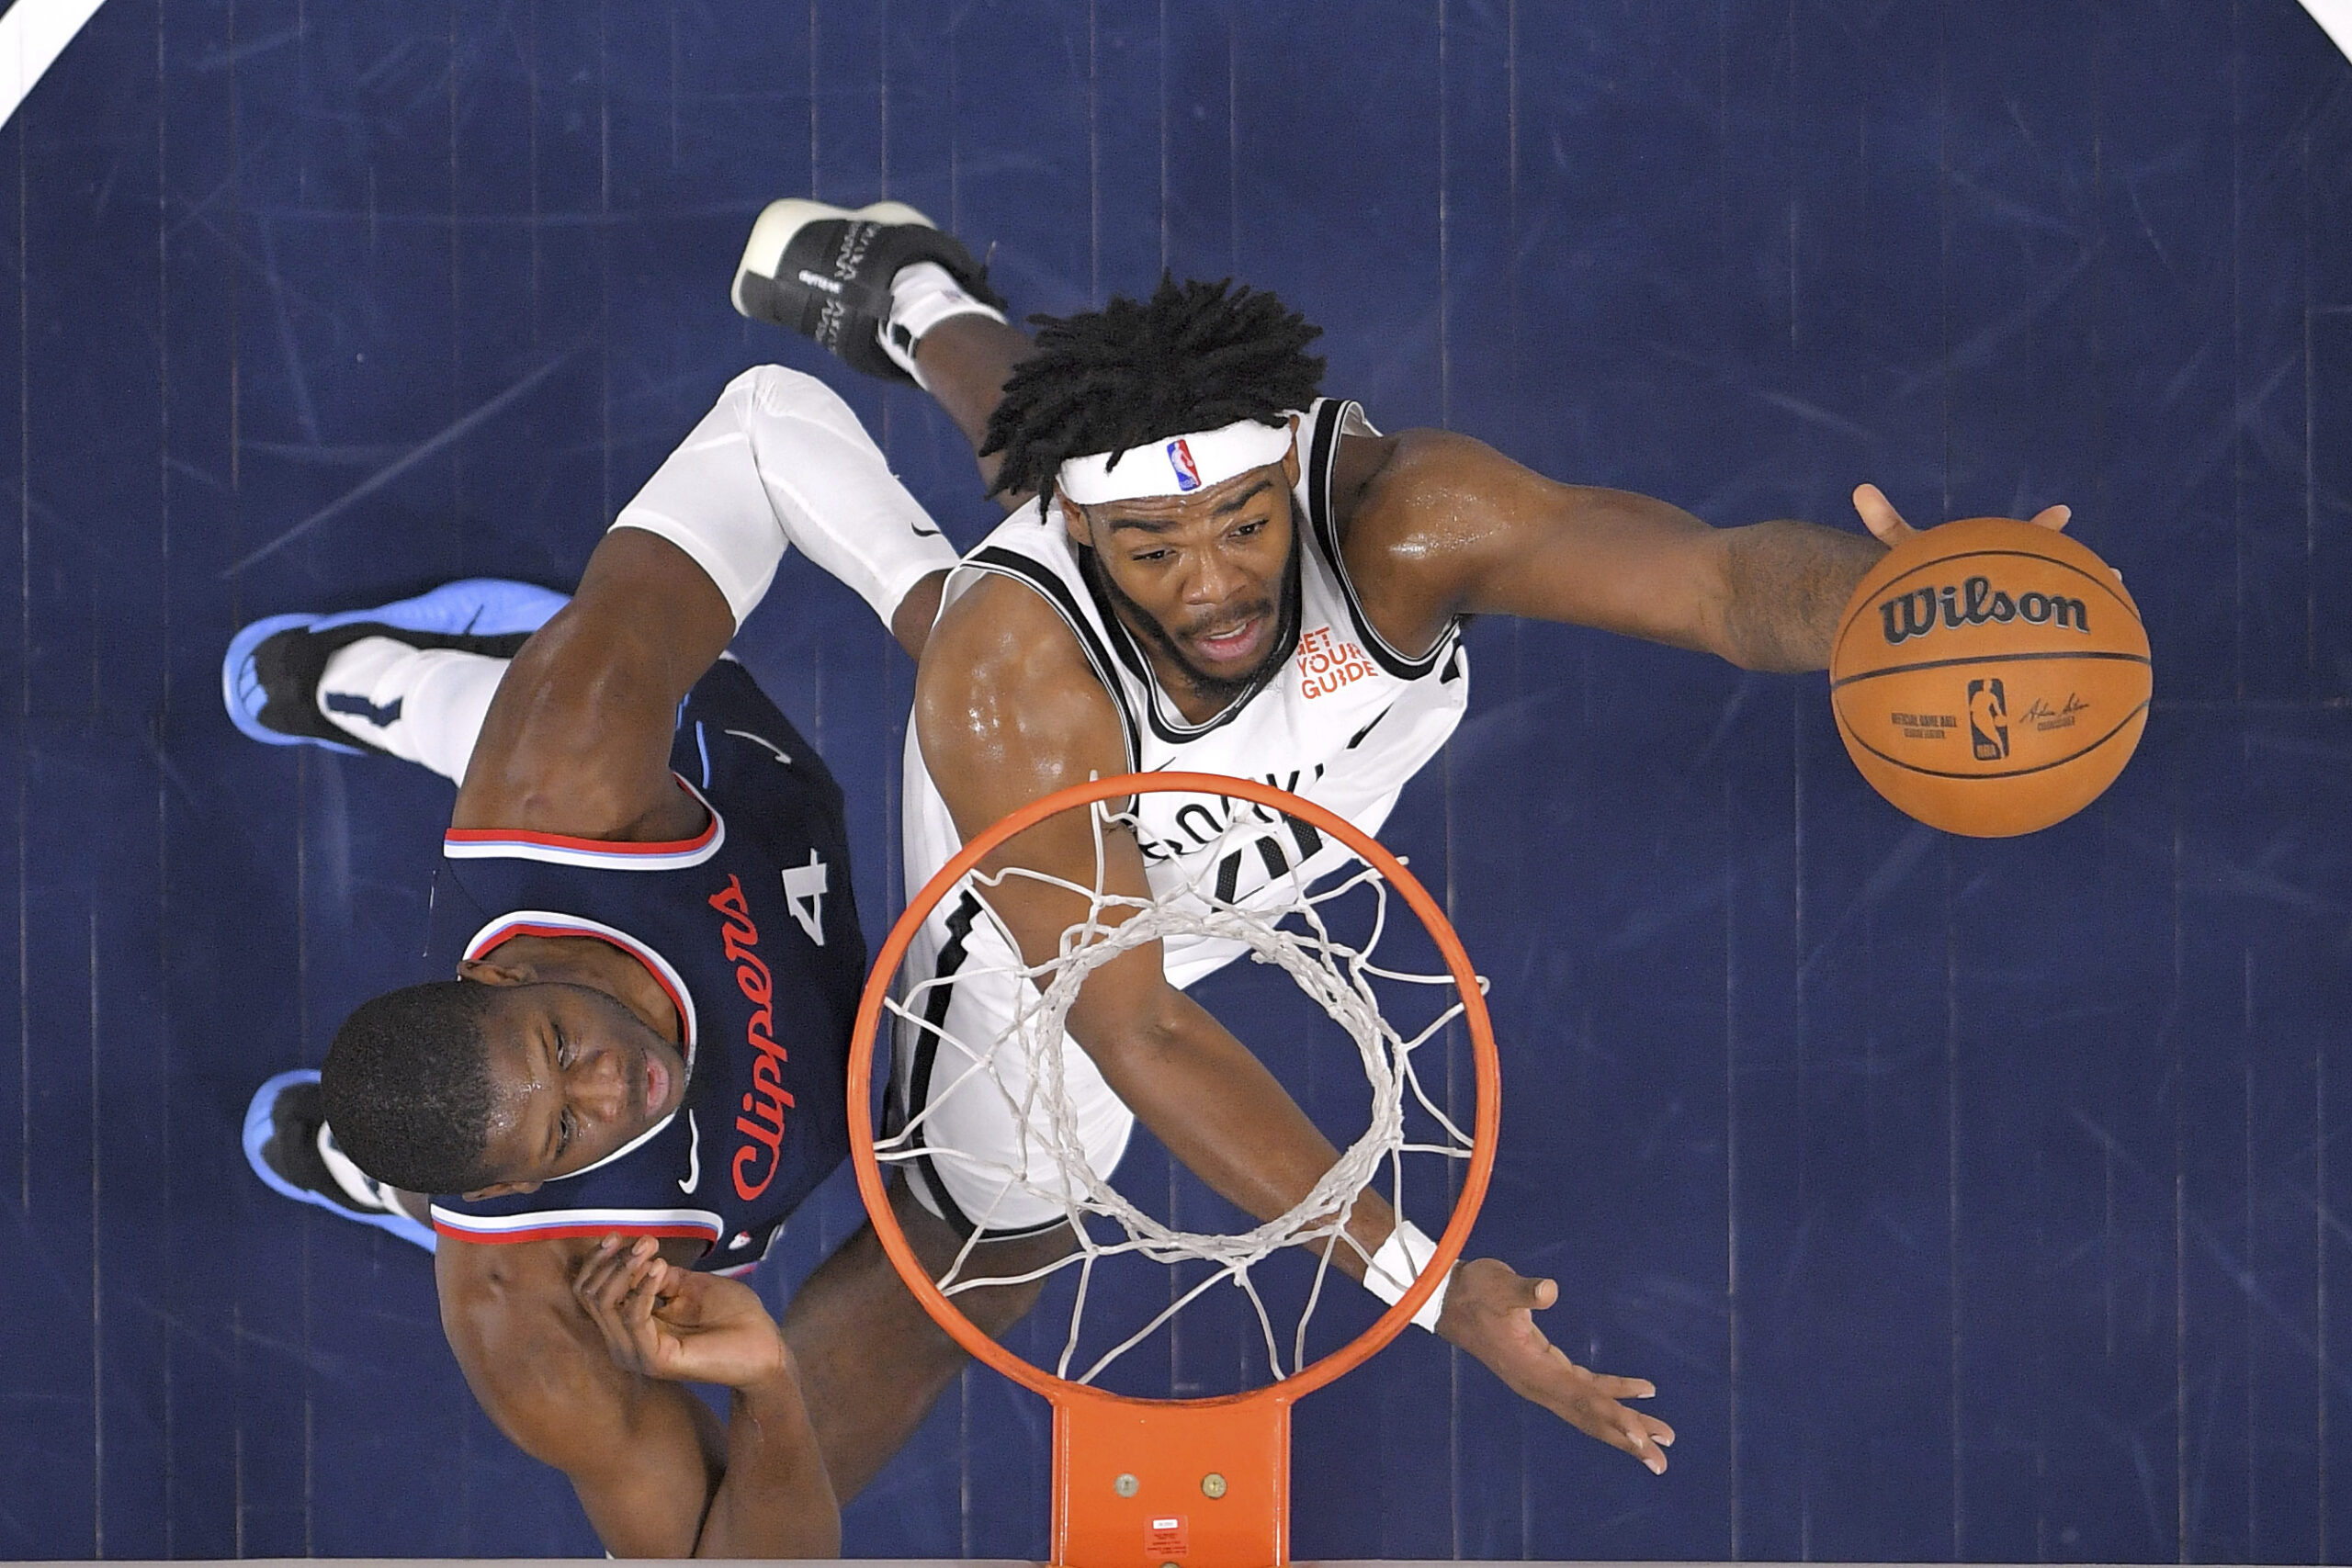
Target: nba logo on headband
1197 459
1180 457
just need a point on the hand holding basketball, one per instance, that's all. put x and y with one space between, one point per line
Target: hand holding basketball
1887 524
1490 1312
1989 677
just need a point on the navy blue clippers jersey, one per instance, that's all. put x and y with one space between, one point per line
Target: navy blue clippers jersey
751 929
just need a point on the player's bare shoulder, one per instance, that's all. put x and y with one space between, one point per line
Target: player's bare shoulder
1006 705
1415 514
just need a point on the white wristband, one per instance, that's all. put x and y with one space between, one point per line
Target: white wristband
1398 1263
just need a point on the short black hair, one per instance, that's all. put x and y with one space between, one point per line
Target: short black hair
1194 356
406 1087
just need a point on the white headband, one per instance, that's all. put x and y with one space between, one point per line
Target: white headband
1174 465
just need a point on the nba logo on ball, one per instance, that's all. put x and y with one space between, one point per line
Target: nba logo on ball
2044 643
1180 457
1986 734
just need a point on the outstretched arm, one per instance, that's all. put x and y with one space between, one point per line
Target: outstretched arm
1440 525
1006 713
654 1470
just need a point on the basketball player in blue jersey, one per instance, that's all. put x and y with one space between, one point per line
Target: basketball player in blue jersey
637 1071
1211 567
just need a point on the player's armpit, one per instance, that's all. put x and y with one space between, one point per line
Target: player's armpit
644 1456
577 741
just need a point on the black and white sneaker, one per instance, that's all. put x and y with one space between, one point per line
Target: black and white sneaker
825 272
290 1147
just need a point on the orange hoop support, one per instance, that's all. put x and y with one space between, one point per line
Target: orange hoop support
1172 1483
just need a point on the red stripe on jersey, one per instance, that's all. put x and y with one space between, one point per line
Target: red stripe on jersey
595 846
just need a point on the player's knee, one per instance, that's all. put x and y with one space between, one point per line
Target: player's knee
779 393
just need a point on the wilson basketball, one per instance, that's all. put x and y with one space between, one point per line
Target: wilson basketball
1990 677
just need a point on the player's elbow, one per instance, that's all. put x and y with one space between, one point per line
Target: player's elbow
1128 1037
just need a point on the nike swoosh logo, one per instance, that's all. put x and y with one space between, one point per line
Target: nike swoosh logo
763 741
924 532
693 1156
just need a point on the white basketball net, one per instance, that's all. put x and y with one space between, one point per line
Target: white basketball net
1282 923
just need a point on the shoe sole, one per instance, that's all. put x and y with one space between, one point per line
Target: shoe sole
780 221
487 606
261 1124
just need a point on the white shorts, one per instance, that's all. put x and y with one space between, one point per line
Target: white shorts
971 1101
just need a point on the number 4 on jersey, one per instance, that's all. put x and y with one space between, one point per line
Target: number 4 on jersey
804 894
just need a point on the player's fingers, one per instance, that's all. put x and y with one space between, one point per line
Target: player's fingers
1518 1291
642 1294
2052 517
599 1270
1625 1388
603 1291
1634 1438
1879 515
612 1271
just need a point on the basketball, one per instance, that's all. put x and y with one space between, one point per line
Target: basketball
1990 677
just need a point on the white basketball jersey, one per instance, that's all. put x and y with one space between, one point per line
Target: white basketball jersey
1344 721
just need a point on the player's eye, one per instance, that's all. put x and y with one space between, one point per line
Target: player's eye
568 1128
1248 530
563 1051
1150 555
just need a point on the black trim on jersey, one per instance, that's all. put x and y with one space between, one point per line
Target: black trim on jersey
1005 563
934 1018
1323 458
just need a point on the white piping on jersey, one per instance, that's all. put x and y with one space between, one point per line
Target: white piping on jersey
576 1220
545 920
596 854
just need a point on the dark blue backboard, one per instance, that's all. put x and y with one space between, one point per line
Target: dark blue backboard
1965 1200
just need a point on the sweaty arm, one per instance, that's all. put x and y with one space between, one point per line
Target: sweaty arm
1007 711
540 1329
1439 525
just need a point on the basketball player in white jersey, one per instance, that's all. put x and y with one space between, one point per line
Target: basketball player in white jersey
1211 567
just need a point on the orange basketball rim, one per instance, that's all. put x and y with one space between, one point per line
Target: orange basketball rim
1171 1482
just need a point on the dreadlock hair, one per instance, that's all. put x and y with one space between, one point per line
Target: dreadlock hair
1194 356
406 1087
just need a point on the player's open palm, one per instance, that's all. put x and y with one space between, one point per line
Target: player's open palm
668 1322
1490 1312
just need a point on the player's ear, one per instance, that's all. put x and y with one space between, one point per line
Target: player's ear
1074 520
1289 454
490 972
502 1189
